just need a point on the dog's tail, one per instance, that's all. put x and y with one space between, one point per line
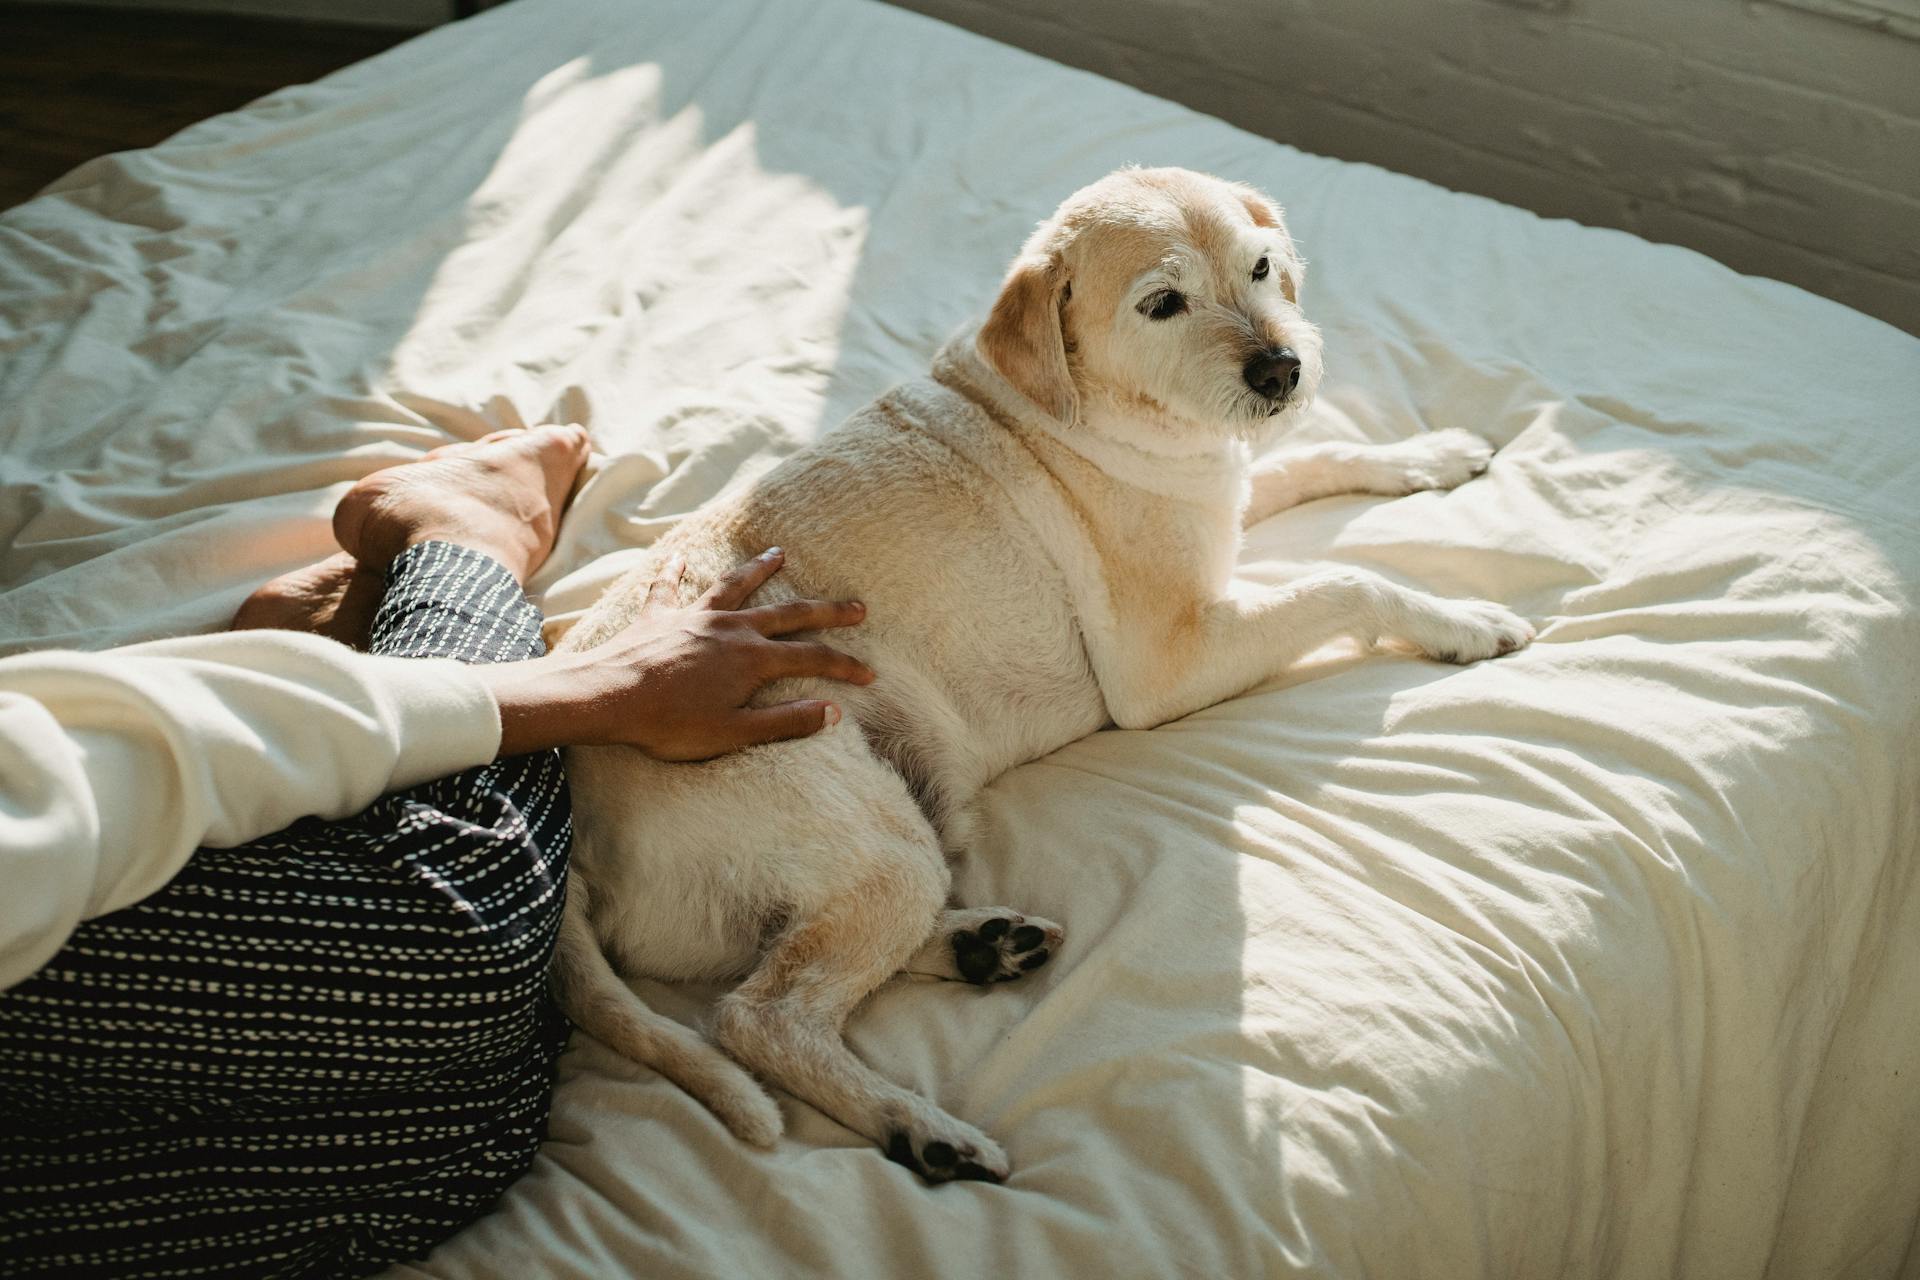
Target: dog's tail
593 995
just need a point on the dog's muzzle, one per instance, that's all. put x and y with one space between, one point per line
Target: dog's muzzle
1273 374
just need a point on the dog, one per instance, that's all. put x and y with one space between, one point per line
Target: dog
1044 532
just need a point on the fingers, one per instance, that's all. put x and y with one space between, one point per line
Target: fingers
790 658
732 590
664 590
803 615
785 720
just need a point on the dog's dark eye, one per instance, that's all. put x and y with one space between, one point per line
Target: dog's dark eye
1164 306
1260 269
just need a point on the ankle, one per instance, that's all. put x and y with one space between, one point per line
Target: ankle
515 558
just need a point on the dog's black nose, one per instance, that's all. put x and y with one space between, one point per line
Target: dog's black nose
1274 374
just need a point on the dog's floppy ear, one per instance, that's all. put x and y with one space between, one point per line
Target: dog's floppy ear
1265 213
1023 337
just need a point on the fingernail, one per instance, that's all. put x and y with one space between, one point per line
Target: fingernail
833 714
857 606
772 553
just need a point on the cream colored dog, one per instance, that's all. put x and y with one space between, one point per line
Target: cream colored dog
1044 534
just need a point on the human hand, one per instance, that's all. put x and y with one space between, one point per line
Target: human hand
676 680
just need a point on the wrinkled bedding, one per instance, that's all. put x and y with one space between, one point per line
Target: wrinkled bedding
1600 960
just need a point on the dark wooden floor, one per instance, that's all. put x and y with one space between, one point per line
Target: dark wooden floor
80 82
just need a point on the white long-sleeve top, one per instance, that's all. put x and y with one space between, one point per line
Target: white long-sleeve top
116 766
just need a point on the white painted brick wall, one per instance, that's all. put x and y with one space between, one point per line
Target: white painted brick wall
413 15
1783 142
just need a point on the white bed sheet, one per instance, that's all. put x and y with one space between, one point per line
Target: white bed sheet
1600 960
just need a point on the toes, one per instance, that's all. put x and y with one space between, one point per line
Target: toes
1003 947
569 441
1444 459
1482 630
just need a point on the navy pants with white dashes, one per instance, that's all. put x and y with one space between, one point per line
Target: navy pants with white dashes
318 1053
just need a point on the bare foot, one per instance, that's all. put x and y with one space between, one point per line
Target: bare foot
501 496
318 598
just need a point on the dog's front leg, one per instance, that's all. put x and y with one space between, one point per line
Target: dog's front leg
1430 460
1251 634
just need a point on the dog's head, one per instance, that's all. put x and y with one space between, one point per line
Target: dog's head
1165 296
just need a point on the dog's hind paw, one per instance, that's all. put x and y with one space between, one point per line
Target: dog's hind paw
983 945
942 1149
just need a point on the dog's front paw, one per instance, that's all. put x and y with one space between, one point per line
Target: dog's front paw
942 1149
1463 631
1435 460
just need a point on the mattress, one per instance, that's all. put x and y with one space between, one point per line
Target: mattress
1598 960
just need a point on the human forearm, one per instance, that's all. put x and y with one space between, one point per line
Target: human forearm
571 700
119 764
542 702
676 681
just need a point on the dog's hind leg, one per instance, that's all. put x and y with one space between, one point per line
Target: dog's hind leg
786 1020
986 944
603 1006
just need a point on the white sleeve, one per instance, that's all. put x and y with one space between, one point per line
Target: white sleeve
115 766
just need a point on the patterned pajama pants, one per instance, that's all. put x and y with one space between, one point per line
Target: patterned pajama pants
315 1054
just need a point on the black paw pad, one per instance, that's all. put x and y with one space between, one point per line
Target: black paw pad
1027 937
938 1161
994 929
975 956
1034 959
